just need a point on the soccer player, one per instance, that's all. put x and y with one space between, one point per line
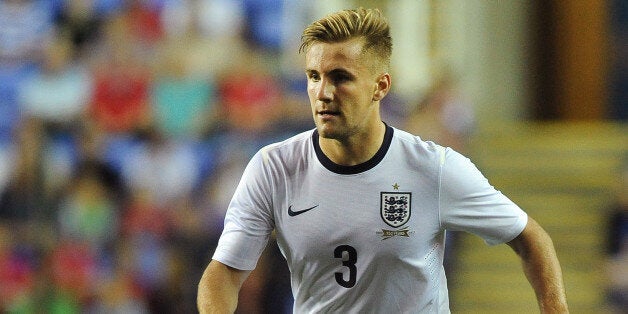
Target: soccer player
361 208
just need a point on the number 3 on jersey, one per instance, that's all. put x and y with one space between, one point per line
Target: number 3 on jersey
349 262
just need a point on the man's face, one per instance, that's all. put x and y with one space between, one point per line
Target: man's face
341 87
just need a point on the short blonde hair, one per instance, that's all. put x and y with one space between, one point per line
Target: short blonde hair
344 25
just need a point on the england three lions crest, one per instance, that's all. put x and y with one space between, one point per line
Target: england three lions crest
395 208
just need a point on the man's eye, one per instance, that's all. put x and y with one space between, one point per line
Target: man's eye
314 77
337 79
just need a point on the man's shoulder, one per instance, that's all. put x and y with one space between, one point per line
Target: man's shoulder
408 139
294 145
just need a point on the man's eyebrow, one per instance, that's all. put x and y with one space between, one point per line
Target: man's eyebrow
340 71
333 72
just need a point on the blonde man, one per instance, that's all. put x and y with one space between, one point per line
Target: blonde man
360 208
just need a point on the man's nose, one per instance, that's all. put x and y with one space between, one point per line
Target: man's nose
325 91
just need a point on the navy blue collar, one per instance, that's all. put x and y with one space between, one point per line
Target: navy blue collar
367 165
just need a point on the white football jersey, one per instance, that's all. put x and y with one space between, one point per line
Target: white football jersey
367 238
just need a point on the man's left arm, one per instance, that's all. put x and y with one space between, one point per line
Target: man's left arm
541 267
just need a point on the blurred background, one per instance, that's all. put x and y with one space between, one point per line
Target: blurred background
125 126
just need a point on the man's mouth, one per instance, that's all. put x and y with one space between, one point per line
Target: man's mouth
326 113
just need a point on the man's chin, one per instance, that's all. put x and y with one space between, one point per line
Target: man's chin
327 131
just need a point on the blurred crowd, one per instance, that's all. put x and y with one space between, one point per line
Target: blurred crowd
616 259
124 128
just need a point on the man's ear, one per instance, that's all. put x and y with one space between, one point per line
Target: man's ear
382 87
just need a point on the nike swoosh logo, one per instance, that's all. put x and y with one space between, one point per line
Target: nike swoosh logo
299 212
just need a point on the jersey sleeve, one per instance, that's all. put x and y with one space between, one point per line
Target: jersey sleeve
248 221
469 203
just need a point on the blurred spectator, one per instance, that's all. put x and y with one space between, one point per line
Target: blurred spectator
617 246
120 102
144 19
250 96
26 26
163 168
90 152
277 292
219 187
295 115
182 102
73 269
82 22
143 216
10 113
24 197
195 236
618 60
117 294
264 21
220 20
88 212
177 18
147 260
16 271
203 36
57 94
5 166
444 116
396 109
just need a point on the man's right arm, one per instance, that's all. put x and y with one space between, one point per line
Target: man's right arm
219 287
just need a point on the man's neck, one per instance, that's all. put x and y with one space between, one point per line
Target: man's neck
356 149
